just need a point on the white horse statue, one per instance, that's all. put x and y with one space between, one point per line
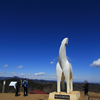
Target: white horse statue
64 69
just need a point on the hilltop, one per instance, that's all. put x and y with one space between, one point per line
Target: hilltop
47 86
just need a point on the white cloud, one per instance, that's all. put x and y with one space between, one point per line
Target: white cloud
51 62
42 73
21 74
68 58
96 63
54 74
20 66
3 73
41 77
53 77
74 77
5 65
25 75
28 74
13 73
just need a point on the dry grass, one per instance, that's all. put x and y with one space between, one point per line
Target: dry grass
11 96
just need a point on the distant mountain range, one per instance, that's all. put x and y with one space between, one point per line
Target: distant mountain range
36 80
6 78
44 85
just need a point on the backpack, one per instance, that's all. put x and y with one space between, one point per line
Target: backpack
23 84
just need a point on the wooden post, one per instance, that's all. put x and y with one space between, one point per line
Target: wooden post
21 86
3 89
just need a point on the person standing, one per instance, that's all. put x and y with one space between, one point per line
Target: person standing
17 87
25 82
86 88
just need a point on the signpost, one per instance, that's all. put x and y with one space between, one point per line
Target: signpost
21 86
13 83
4 82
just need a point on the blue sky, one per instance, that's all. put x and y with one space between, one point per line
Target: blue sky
31 32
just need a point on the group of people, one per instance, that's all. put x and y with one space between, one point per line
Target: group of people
24 85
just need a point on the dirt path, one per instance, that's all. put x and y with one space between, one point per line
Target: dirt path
11 96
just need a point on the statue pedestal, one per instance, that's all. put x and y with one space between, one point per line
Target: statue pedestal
74 95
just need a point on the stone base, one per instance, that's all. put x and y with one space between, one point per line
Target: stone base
74 95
